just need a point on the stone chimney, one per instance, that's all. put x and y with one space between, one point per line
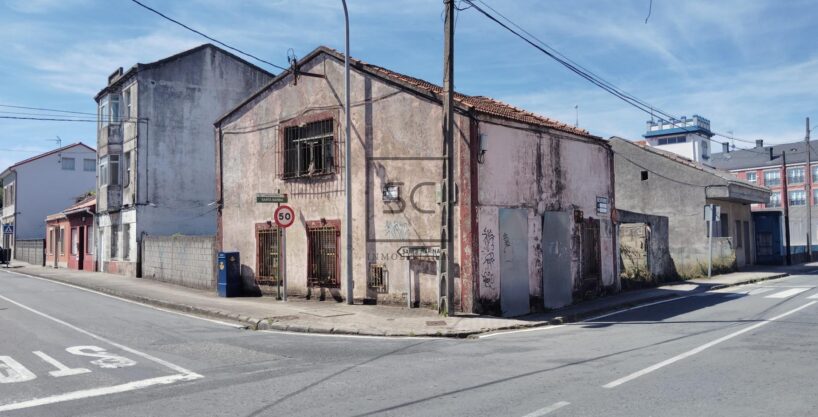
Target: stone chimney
759 143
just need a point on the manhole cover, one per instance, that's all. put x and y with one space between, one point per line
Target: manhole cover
436 323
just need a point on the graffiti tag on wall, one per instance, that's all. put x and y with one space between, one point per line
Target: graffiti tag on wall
487 276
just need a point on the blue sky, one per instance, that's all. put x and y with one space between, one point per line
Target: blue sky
750 66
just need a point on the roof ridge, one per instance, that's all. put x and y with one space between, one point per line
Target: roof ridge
525 116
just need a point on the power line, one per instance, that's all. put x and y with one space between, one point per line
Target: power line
42 109
583 72
209 37
48 119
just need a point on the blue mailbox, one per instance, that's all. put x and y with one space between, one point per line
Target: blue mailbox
229 283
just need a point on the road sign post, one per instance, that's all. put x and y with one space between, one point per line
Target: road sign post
284 217
711 213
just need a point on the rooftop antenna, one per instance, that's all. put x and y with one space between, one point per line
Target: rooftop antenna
58 141
576 109
732 139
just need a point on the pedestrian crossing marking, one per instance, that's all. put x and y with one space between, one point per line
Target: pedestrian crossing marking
759 291
788 293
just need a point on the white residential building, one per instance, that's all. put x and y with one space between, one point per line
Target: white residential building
689 138
41 185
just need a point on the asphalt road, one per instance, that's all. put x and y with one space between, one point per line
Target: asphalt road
742 351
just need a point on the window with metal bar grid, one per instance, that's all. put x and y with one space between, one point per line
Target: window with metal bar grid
378 278
309 149
268 268
323 257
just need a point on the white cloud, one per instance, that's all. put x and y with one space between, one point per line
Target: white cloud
84 67
44 6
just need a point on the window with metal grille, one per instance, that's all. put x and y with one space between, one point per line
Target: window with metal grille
309 149
322 257
378 280
268 255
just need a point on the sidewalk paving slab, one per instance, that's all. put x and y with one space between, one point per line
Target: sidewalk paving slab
329 317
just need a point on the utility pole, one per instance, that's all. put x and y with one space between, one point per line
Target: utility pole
446 263
809 196
347 167
786 208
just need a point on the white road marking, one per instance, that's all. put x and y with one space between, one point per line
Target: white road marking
95 392
637 307
223 323
183 374
761 290
106 360
787 293
546 410
62 370
13 371
813 297
543 328
689 353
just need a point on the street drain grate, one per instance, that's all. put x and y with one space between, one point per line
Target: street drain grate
436 323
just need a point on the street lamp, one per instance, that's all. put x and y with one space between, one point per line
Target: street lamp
347 158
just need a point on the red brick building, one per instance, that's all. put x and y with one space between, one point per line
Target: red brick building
70 237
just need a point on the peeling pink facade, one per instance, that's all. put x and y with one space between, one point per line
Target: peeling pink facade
511 168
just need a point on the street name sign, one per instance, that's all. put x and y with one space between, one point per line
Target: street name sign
271 198
412 252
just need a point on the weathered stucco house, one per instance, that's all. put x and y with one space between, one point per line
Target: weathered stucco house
660 183
532 222
69 239
39 186
156 156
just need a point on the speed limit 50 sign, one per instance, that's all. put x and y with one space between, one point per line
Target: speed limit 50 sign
284 216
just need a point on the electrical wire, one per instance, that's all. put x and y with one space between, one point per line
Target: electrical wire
42 109
209 37
49 119
585 73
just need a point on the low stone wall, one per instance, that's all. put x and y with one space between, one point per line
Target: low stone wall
31 251
183 260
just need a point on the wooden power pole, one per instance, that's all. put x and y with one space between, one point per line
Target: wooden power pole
446 262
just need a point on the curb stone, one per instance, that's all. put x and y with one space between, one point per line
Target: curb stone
265 324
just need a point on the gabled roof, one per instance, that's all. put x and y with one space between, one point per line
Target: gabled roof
722 175
88 203
138 67
760 156
43 155
480 104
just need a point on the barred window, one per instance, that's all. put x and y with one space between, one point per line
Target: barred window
309 149
322 257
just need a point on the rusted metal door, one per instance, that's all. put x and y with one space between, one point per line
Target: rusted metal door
514 262
556 276
591 262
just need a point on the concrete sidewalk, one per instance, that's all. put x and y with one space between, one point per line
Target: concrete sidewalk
298 315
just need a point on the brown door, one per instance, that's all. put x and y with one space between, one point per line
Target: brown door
80 247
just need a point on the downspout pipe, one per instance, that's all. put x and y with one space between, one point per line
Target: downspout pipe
347 168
